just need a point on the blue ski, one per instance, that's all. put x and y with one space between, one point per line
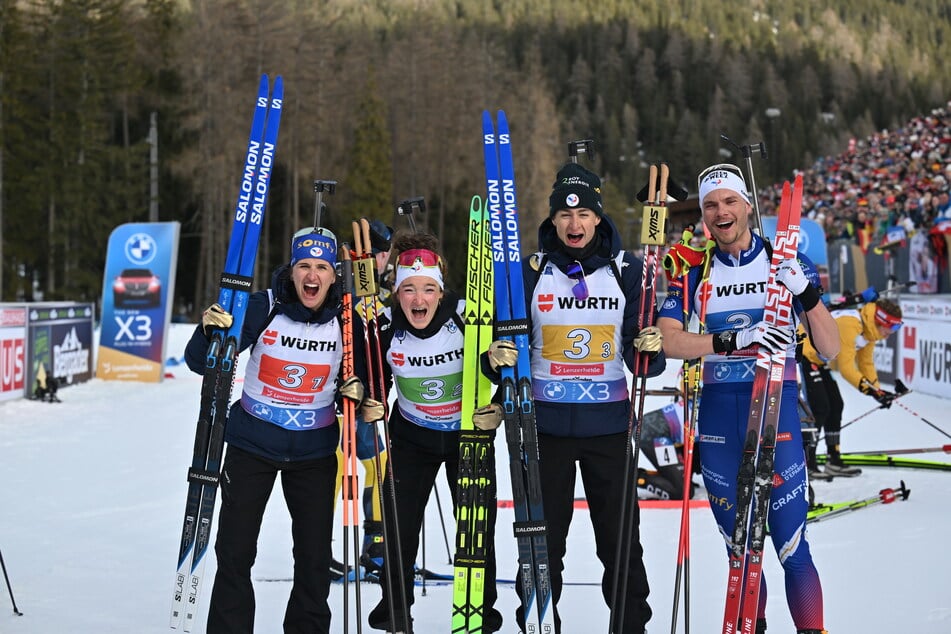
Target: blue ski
517 402
218 378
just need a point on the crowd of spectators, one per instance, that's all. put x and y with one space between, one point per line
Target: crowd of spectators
894 178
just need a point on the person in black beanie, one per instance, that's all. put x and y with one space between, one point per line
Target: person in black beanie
584 308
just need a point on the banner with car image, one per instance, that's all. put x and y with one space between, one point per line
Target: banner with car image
137 297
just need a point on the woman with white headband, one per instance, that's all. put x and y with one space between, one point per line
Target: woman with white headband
422 341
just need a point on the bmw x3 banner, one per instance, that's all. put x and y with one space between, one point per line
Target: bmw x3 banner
137 296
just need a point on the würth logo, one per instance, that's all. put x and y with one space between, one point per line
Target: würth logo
546 302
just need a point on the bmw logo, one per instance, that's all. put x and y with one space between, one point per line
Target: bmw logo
140 248
262 411
555 391
721 371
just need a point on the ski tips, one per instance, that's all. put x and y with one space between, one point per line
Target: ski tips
265 82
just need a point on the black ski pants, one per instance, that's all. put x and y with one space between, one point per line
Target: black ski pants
825 400
601 461
416 455
246 484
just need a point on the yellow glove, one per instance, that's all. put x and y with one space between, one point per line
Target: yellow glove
649 340
502 353
487 418
352 388
372 411
215 317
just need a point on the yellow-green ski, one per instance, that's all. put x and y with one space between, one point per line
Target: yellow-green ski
476 458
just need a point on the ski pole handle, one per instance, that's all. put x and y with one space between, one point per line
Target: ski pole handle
409 207
889 495
654 221
582 146
319 188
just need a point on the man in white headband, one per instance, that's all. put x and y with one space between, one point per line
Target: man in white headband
723 179
734 305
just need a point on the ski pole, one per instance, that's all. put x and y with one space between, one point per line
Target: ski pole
9 587
582 146
875 409
885 496
368 291
319 206
683 544
855 420
898 452
691 391
409 207
921 418
747 152
653 237
861 416
442 522
348 488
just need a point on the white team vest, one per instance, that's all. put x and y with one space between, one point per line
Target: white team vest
737 298
428 376
576 344
291 375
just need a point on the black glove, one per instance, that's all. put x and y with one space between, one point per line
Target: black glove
900 388
884 398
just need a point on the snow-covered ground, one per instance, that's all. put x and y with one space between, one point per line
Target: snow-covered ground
92 492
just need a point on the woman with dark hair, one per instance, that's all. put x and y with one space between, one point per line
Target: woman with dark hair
284 422
422 341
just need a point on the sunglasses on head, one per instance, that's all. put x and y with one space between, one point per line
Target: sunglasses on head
886 321
321 231
576 272
425 256
721 167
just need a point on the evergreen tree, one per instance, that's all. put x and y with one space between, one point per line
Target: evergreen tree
368 189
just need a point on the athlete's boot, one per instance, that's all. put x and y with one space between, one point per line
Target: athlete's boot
836 467
815 474
373 548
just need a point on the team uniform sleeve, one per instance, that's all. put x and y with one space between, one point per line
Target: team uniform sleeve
812 274
673 305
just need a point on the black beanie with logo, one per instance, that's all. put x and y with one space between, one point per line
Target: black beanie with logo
575 187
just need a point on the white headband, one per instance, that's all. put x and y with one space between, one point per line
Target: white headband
417 268
723 179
